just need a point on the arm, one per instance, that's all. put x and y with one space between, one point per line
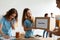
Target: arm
33 19
55 31
25 28
5 36
1 29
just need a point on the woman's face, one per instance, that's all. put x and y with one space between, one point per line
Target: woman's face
12 16
29 13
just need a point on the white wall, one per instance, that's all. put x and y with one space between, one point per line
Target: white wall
38 8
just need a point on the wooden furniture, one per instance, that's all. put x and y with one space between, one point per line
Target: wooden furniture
37 38
58 23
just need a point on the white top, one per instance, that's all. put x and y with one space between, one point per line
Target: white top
52 23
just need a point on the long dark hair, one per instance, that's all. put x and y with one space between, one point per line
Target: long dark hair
24 15
10 12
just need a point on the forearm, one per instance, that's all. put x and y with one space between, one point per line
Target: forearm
28 28
1 33
1 29
55 32
4 35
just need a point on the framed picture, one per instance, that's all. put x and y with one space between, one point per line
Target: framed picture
42 22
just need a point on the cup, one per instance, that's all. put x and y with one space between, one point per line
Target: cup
17 35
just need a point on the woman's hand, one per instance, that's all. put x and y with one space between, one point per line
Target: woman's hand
13 27
47 30
6 36
55 31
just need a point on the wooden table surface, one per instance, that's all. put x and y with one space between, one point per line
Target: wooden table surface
36 38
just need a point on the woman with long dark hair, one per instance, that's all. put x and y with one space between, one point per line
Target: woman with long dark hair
7 22
27 22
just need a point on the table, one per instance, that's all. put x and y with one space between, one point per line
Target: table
35 38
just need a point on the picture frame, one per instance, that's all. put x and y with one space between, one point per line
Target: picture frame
42 22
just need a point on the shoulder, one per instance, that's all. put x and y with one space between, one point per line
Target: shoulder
2 19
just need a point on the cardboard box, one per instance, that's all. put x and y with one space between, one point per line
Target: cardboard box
58 23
